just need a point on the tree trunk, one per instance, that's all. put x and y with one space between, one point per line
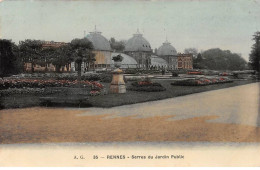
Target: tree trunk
57 68
79 72
67 67
32 69
46 67
88 64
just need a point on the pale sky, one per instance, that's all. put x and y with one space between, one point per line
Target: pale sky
202 24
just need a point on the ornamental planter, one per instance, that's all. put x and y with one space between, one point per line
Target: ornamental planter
118 84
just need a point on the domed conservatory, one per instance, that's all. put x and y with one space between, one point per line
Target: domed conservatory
137 54
102 49
128 61
140 49
169 54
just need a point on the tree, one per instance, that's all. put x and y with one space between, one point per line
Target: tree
193 51
9 59
61 56
254 57
46 57
217 59
89 60
81 50
118 46
30 51
197 62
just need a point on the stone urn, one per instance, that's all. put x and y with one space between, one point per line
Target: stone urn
118 84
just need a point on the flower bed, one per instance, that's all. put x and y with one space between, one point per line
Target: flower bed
195 73
146 86
225 74
201 81
30 83
58 76
85 77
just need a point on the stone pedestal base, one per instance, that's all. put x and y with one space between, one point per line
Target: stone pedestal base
117 88
117 85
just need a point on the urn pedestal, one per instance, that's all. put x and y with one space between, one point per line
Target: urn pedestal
118 84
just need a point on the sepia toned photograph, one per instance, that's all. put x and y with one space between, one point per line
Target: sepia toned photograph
121 83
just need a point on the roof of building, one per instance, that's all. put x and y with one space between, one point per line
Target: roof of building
99 41
47 44
158 61
137 43
166 49
127 59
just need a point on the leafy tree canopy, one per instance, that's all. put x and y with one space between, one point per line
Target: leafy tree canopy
217 59
30 49
81 50
10 62
254 58
117 46
193 51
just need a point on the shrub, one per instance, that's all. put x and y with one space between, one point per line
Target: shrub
118 58
106 77
175 74
146 86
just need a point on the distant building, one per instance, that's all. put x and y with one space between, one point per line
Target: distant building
185 61
137 54
169 54
50 44
102 49
158 63
140 49
128 61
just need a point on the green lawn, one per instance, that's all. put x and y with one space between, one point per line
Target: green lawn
131 97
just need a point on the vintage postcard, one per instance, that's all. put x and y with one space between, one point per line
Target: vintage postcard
121 83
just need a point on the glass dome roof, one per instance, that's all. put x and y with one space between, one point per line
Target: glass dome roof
99 41
166 49
137 43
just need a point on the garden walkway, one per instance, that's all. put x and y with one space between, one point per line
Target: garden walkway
239 105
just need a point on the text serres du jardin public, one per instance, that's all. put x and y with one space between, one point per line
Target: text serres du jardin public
133 157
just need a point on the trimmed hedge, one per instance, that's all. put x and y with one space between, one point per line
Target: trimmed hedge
146 86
